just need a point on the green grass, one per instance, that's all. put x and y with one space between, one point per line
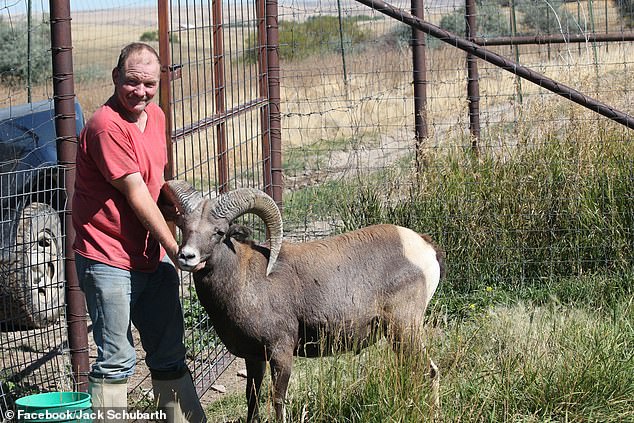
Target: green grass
312 202
535 320
559 209
544 363
568 358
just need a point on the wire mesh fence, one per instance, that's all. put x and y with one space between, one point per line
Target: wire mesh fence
33 333
533 205
549 194
33 337
219 112
217 115
36 360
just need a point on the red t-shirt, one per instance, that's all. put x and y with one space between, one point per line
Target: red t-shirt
106 227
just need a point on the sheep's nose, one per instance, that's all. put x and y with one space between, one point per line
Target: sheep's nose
187 255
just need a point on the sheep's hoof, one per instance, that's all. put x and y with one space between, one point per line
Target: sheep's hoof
434 375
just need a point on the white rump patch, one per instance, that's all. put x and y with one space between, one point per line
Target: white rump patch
422 255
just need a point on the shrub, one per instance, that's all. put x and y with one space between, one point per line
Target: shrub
490 22
546 17
150 36
626 10
201 333
316 35
14 54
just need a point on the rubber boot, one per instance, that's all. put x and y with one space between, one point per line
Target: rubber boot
177 398
109 398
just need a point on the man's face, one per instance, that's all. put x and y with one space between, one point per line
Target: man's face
137 83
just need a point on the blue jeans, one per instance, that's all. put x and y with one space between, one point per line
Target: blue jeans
116 298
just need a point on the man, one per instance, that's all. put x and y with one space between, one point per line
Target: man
124 247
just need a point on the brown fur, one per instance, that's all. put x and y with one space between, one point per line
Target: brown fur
323 297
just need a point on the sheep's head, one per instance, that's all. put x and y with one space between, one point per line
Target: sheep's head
205 222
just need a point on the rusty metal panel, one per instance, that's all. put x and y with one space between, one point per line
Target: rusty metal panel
222 133
218 100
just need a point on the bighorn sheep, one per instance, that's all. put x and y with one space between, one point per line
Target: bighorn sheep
307 299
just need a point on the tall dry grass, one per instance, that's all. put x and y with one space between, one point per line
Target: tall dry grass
317 104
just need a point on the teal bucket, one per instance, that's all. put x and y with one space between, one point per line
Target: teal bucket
54 407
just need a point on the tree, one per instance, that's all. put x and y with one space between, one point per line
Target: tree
15 57
150 36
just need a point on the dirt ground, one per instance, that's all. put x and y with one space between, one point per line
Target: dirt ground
232 380
140 385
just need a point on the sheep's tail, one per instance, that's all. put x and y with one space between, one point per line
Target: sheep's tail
440 254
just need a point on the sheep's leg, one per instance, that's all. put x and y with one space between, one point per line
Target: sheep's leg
281 366
434 375
406 339
255 374
409 342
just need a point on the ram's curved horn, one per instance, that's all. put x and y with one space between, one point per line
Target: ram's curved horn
234 204
183 195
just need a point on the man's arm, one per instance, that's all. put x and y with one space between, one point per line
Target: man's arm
147 211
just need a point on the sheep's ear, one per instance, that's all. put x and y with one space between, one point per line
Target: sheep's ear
235 203
179 221
171 214
239 233
169 210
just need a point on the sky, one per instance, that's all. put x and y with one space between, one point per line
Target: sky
17 7
99 4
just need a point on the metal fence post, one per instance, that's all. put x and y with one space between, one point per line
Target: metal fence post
64 98
274 111
219 89
420 84
165 94
473 89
